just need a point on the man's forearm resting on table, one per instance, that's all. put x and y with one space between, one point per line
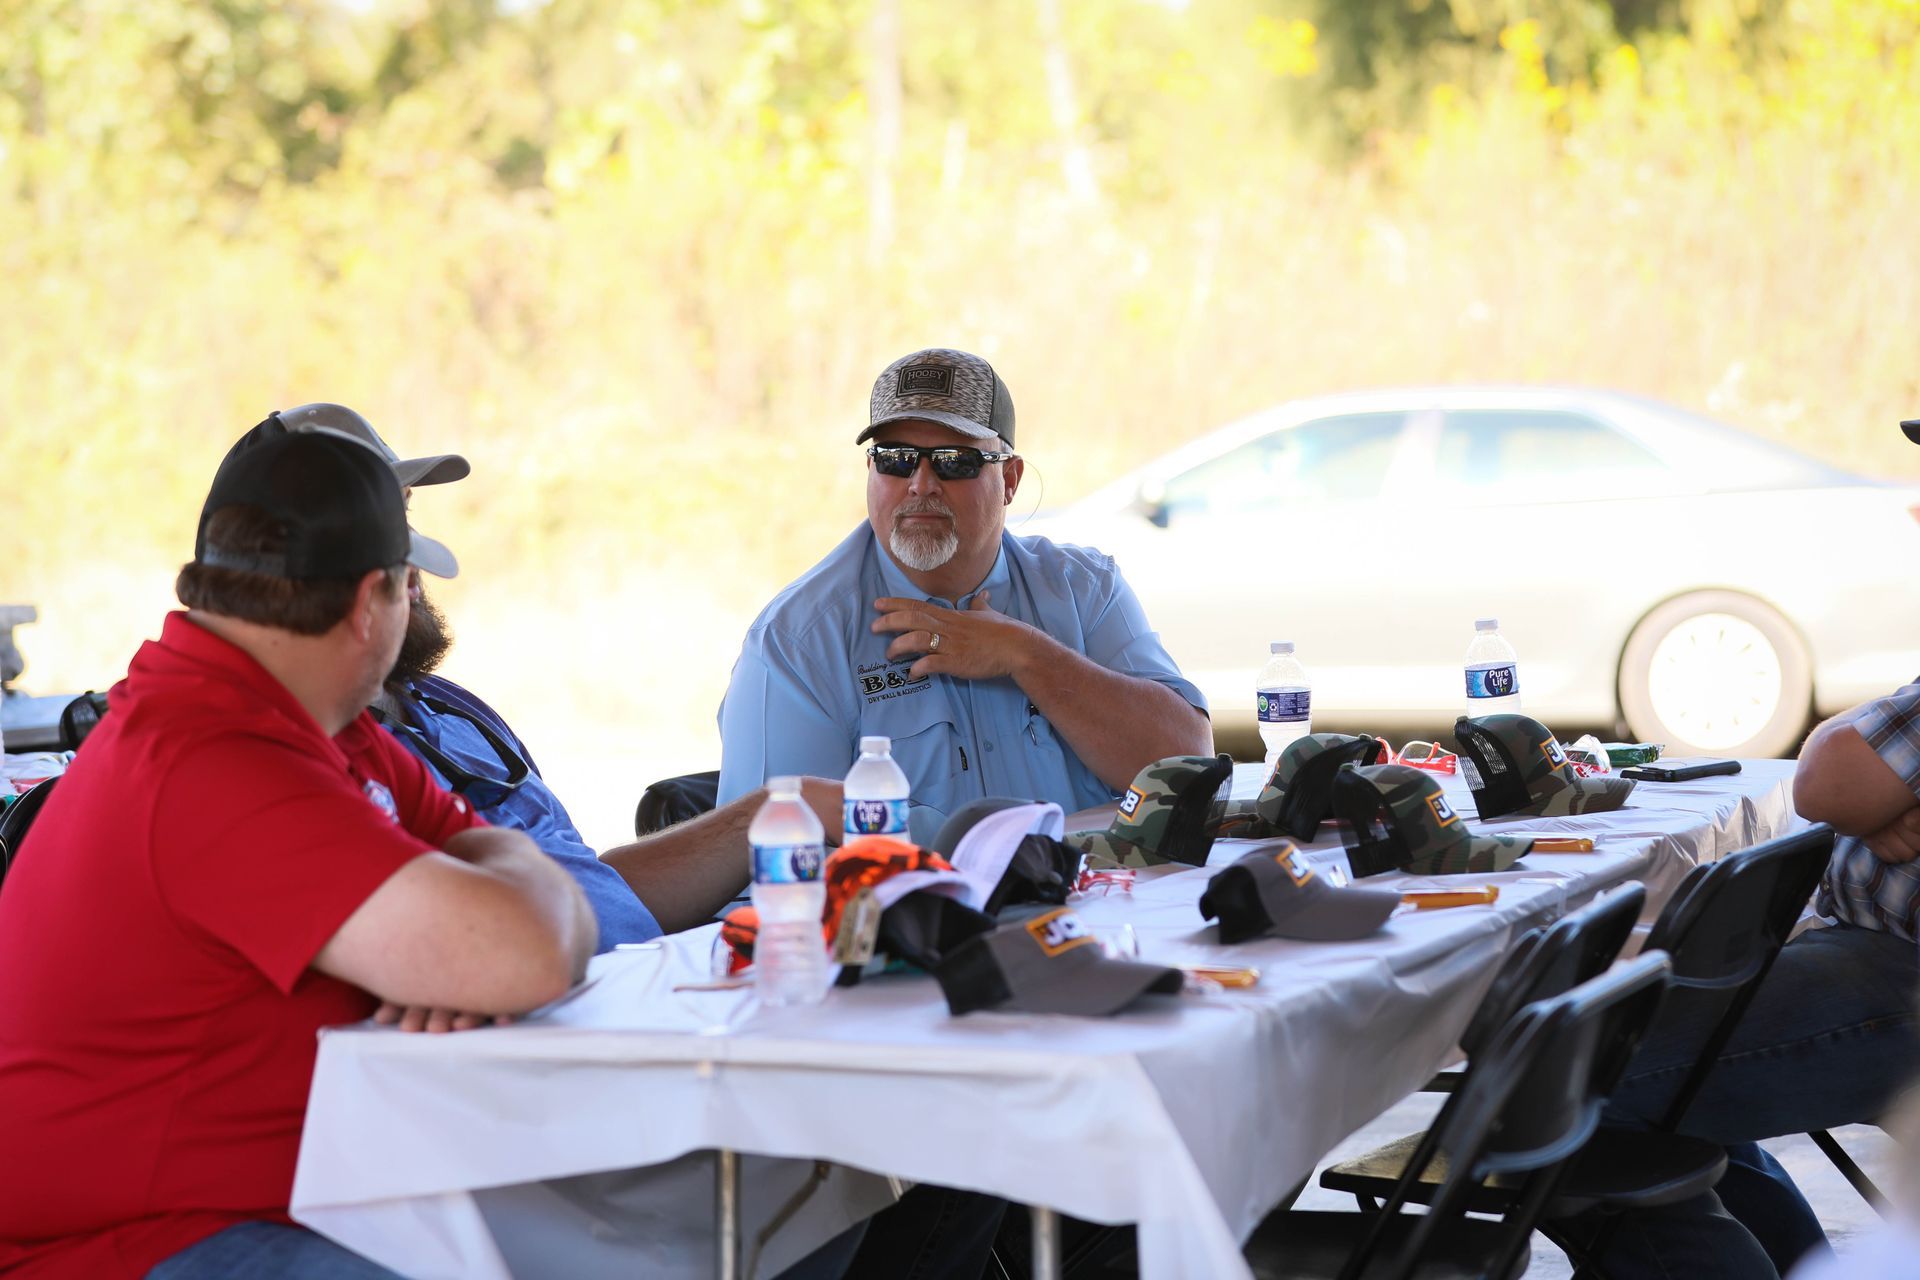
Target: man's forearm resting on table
1842 781
688 872
488 925
1117 724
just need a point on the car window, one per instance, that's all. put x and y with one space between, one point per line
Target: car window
1544 451
1338 459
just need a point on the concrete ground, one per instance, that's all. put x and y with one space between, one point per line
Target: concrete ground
1844 1214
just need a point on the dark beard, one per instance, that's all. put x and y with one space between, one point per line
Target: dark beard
425 645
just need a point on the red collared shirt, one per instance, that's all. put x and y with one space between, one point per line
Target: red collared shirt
157 1013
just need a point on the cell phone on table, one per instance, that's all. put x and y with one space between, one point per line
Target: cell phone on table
1679 770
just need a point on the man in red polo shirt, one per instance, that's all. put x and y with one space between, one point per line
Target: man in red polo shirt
239 858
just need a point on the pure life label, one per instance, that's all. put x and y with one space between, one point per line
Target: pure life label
875 817
1498 681
1284 706
787 863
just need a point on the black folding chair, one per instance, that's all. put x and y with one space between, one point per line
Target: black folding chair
1532 1100
1723 930
1545 962
17 818
673 800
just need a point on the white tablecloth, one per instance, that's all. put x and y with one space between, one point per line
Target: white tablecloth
1190 1115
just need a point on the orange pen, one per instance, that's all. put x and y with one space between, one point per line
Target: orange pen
1562 844
1429 899
1225 975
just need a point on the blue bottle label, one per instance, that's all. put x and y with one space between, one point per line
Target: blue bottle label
1493 682
1284 706
875 817
787 863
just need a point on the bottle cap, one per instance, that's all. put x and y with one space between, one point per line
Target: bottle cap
876 746
1280 646
785 785
1486 624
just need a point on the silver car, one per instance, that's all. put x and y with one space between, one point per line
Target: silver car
1652 568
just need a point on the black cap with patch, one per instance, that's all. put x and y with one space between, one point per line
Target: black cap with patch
338 500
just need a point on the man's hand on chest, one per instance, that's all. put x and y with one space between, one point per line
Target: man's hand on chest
975 643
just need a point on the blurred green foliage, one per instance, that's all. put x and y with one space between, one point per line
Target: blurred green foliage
640 258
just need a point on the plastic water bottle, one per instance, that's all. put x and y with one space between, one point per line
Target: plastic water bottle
875 794
1283 699
789 854
1493 671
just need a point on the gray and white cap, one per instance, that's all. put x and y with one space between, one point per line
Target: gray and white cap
441 468
953 388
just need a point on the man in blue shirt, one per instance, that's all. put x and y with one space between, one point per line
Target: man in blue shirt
674 879
998 665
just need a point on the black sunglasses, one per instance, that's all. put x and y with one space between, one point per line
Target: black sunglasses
950 462
482 791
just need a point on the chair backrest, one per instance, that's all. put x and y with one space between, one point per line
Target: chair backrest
17 818
672 800
1722 931
1535 1099
1546 962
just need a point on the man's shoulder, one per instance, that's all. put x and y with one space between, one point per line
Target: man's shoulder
827 595
1086 575
443 690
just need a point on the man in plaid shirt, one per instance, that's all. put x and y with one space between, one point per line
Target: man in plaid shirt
1833 1034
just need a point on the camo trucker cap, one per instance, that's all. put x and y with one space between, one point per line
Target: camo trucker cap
1277 891
1050 963
1013 847
1298 794
1398 819
1515 765
953 388
1169 814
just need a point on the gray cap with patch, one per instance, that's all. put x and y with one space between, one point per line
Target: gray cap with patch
1048 964
953 388
1277 891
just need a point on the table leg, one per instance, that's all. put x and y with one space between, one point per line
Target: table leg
726 1215
1046 1243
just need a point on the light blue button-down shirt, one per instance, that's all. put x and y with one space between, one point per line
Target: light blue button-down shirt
813 679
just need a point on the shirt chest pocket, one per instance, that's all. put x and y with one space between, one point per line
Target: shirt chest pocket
926 741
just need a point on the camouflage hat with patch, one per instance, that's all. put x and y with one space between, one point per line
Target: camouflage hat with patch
1515 765
953 388
1277 891
1298 794
1398 819
1169 814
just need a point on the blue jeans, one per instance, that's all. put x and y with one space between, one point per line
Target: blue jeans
268 1251
274 1251
1830 1039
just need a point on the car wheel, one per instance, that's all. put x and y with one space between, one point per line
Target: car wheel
1716 673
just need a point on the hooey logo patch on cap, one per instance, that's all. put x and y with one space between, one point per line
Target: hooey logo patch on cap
924 380
1059 930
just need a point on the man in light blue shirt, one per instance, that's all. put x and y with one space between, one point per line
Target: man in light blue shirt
998 665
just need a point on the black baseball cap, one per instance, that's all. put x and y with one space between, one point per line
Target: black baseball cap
1912 427
338 499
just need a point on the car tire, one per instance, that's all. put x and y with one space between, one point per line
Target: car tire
1717 673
